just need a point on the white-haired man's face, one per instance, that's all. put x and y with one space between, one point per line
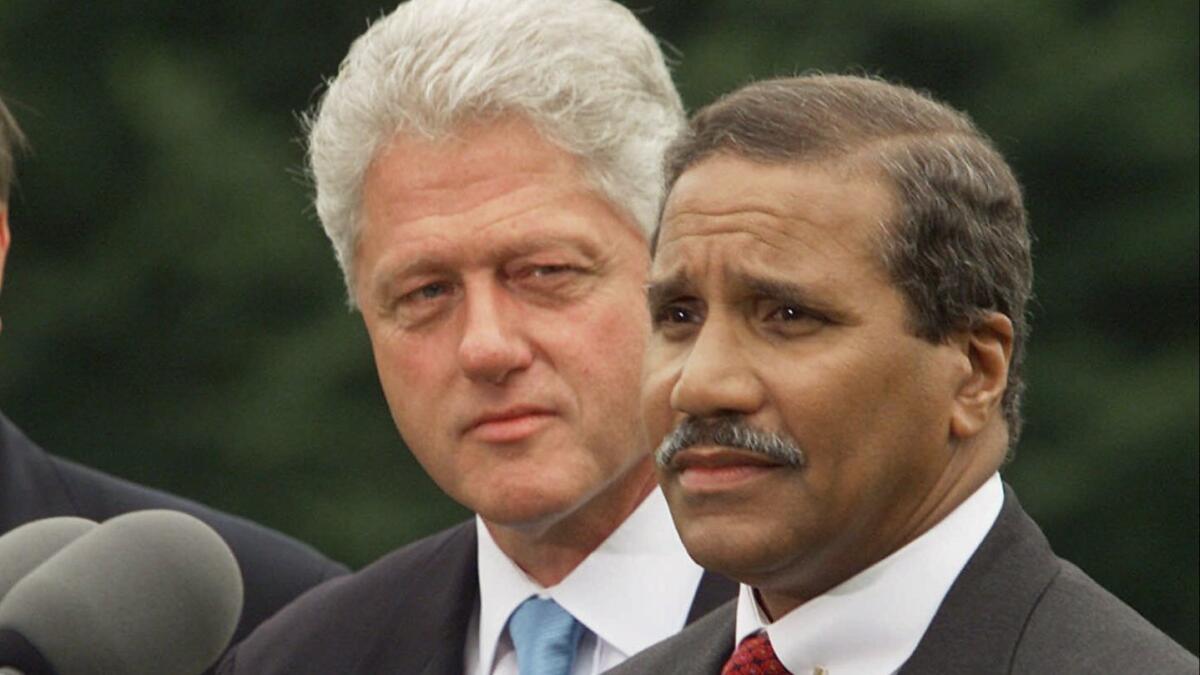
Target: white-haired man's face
504 302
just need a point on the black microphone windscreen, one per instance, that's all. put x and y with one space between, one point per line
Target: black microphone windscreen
24 548
144 593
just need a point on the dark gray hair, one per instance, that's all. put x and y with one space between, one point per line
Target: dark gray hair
11 140
585 73
959 245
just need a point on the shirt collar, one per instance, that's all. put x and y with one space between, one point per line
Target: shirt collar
871 623
634 590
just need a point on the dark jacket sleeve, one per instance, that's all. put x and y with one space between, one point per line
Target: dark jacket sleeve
275 568
35 484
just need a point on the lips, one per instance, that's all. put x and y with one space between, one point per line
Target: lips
509 425
719 469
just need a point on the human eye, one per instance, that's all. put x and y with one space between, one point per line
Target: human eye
789 313
550 270
421 302
550 278
675 313
425 293
789 318
676 319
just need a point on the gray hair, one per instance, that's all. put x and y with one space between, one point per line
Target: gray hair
585 73
11 140
959 246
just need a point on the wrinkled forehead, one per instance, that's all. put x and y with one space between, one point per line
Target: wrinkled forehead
754 213
474 161
733 262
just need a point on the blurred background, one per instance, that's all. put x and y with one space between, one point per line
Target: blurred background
172 312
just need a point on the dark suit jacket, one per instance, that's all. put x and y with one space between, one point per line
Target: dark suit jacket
406 613
35 484
1015 608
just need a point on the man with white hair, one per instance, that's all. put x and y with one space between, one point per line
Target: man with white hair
488 172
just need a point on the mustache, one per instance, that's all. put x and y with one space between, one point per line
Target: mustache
730 431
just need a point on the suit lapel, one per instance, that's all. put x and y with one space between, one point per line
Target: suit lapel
714 590
710 643
978 625
431 619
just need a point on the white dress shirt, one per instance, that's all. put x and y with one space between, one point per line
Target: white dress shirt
632 591
871 623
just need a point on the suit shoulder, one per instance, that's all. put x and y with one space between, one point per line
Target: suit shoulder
702 647
341 620
377 586
275 567
100 496
1079 627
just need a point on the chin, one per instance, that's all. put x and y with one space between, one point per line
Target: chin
525 509
733 562
740 546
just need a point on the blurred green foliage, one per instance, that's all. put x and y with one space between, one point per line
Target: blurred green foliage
172 312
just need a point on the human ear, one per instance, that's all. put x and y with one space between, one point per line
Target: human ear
988 348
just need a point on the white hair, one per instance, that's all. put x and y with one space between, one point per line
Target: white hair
585 73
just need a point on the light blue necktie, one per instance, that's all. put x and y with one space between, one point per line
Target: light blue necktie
545 636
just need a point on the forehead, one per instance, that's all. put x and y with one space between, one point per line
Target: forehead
413 177
799 216
487 192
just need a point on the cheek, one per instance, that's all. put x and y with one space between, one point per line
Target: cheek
405 367
817 396
616 369
599 357
835 407
605 341
657 384
858 413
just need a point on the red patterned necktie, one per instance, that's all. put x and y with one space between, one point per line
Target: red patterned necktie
754 656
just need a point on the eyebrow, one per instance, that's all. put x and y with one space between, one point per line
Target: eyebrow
794 294
418 265
775 288
659 292
407 268
678 284
383 282
540 243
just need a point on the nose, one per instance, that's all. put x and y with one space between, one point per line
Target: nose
492 345
716 377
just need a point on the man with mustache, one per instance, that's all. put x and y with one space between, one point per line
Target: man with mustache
488 172
35 484
838 297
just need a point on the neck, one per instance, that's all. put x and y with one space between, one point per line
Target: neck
548 552
971 464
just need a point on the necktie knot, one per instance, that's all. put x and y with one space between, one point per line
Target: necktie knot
754 656
545 636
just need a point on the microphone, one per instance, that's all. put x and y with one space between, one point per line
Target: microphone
145 593
25 547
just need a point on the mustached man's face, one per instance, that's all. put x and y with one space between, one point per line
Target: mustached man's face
770 306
